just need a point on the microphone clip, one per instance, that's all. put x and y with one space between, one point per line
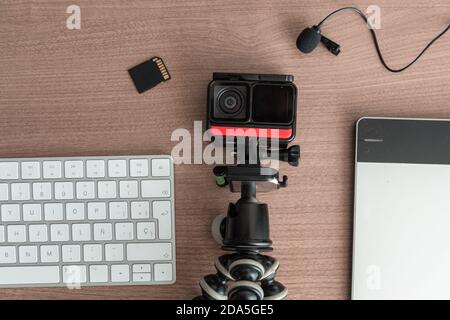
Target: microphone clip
331 46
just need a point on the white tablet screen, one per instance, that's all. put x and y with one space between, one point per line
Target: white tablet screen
401 240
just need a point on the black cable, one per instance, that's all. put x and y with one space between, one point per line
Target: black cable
375 40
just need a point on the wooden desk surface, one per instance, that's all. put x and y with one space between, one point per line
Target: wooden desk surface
67 92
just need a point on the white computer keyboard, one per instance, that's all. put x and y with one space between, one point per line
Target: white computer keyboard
86 221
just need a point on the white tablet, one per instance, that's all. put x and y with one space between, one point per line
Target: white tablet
401 235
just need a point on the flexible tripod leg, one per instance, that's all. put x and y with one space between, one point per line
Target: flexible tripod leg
243 276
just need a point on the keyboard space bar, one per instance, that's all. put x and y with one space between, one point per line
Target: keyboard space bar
29 275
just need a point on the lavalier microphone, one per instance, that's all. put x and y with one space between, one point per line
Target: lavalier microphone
310 38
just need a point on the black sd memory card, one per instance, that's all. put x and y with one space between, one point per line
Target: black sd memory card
148 74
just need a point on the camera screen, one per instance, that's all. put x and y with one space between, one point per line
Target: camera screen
273 103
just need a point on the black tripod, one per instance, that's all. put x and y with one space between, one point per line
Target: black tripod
246 274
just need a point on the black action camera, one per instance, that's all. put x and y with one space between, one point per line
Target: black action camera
252 105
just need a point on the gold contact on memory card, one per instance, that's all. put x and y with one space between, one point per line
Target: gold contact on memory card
162 68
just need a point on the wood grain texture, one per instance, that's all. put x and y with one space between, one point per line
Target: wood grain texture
67 93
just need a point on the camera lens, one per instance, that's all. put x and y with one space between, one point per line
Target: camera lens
230 101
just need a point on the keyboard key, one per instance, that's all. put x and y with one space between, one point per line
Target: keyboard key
142 268
28 254
29 275
146 230
20 191
38 233
2 234
124 231
74 275
160 167
92 252
118 210
32 212
140 210
73 169
139 168
117 168
114 252
17 233
98 273
102 231
81 232
149 251
120 273
9 170
42 191
59 232
10 212
63 190
71 253
50 254
53 211
155 188
4 192
107 189
96 210
31 170
128 189
7 254
142 277
162 212
52 169
163 272
95 168
85 190
75 211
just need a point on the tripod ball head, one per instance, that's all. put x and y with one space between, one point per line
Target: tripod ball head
247 223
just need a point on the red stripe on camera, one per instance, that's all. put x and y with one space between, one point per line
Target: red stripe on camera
251 132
